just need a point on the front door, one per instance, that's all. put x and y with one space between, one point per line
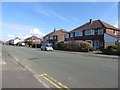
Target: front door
96 44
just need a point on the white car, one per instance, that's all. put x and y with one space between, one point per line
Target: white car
46 47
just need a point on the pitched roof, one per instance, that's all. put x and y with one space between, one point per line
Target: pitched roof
17 38
56 32
108 25
32 37
94 25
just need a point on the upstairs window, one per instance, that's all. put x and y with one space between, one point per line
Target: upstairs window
71 34
66 35
47 38
89 32
115 32
78 33
55 37
51 37
100 32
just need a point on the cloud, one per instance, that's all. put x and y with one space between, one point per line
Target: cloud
116 25
36 31
13 26
60 17
47 11
40 10
11 36
31 30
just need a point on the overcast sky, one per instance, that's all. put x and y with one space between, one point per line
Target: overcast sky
24 19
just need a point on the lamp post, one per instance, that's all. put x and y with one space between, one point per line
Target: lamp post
35 43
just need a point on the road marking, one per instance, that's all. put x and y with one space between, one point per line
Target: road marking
16 59
2 62
54 82
51 82
44 84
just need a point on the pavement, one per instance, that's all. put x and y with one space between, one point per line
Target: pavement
16 76
68 69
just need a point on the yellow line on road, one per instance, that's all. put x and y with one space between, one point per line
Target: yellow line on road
59 83
45 76
2 62
50 81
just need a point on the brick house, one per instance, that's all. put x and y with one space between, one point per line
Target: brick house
100 34
55 36
33 39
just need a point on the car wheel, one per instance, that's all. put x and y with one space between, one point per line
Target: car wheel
45 49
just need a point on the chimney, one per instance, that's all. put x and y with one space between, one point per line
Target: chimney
90 21
54 30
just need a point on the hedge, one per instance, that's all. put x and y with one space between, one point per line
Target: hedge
112 50
74 46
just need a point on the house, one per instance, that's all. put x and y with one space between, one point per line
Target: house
34 40
55 36
100 34
16 41
13 41
10 42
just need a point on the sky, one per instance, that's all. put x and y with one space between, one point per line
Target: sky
23 19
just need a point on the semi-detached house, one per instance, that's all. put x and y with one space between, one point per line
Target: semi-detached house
100 34
55 36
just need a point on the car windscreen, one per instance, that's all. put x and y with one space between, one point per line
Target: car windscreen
48 45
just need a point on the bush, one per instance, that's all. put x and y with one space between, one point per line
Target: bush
92 49
74 46
112 50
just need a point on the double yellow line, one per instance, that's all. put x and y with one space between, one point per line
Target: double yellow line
54 82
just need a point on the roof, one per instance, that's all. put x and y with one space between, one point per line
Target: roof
56 32
32 37
17 38
94 25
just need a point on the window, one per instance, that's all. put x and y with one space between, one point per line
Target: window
96 44
89 32
46 38
89 41
115 32
100 31
66 35
55 37
51 37
71 34
78 33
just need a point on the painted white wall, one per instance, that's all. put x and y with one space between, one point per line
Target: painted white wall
109 40
16 41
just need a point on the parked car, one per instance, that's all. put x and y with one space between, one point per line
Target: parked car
46 47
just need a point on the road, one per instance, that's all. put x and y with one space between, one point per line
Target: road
67 70
14 75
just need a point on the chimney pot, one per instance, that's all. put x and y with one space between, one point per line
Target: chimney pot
90 21
54 30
